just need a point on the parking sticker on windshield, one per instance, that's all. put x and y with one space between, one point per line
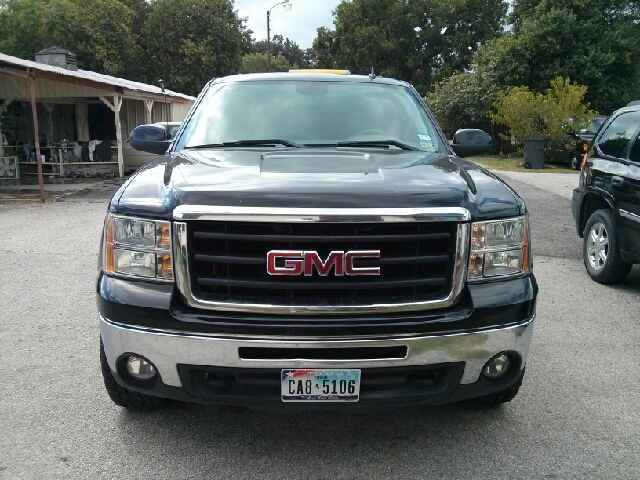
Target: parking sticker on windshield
427 142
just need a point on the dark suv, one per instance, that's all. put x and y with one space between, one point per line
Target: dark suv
583 139
606 205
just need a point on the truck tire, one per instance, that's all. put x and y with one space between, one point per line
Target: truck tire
497 398
601 249
122 396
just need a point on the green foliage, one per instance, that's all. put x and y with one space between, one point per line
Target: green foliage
464 100
194 40
551 116
99 32
324 48
200 39
257 62
597 41
420 41
292 53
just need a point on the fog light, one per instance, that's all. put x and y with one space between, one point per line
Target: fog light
140 369
497 367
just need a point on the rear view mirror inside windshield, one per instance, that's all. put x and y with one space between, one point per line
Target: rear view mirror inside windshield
312 88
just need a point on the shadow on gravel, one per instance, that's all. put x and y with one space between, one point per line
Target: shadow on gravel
101 192
308 440
631 284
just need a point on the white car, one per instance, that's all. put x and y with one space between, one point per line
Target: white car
135 159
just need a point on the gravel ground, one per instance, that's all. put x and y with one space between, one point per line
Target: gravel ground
577 414
561 184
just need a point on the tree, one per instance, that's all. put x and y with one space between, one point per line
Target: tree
421 41
324 48
106 43
594 41
29 26
201 39
258 62
464 100
286 48
551 116
97 31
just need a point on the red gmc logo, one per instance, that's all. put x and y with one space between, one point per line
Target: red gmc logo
298 262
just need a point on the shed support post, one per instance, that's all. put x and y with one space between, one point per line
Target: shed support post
148 106
34 114
115 108
48 107
2 107
82 122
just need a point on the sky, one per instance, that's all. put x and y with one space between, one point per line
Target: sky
298 24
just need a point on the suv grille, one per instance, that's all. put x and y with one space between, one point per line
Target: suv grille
228 262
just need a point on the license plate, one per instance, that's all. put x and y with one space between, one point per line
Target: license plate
320 385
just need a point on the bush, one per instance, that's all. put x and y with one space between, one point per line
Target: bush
552 116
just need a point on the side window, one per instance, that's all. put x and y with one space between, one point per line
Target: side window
634 156
616 136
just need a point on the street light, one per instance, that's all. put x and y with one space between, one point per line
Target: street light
287 6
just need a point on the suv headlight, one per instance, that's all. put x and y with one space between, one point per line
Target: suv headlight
136 247
499 248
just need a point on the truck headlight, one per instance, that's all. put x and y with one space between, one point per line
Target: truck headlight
499 248
137 247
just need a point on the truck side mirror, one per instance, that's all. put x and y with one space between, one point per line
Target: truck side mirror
468 142
150 138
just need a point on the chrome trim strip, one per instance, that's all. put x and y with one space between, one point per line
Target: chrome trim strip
300 340
168 349
629 215
183 282
327 215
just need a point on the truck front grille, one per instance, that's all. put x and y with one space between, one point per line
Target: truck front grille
228 262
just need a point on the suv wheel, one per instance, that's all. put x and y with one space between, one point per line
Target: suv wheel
601 250
122 396
576 161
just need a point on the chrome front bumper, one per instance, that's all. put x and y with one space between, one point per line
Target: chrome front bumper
167 349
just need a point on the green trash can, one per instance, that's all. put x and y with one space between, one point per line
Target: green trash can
534 153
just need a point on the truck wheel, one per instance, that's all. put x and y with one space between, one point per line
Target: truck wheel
122 396
497 398
576 161
601 250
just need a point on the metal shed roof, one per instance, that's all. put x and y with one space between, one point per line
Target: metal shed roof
60 74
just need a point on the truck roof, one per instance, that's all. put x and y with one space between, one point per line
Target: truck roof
309 76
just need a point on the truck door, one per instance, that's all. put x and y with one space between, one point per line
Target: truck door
619 177
629 200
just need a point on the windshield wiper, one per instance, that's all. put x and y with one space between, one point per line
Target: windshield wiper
250 143
376 143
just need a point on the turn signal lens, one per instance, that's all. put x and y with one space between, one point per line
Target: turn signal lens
163 235
165 266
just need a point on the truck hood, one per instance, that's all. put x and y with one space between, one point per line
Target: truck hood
314 177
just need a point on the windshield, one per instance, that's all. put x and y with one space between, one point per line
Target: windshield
310 113
595 125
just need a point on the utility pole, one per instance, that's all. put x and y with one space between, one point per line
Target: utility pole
287 7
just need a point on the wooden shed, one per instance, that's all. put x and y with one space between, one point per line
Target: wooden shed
61 104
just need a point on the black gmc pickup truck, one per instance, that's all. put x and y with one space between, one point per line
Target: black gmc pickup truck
313 241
